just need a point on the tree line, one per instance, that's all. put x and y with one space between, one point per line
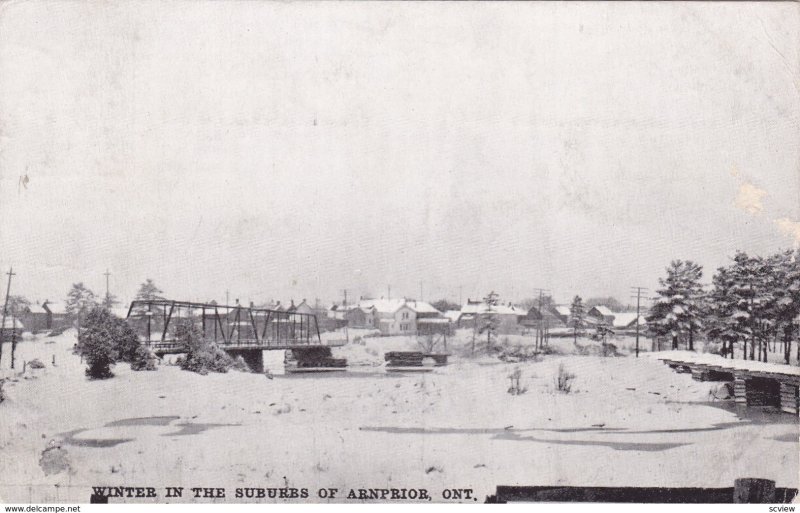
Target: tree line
751 308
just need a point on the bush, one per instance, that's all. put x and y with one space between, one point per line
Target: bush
97 349
515 388
202 356
36 364
240 365
2 394
610 349
104 340
143 359
564 380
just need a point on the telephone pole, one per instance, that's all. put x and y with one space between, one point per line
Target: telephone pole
344 318
638 291
10 273
108 294
541 329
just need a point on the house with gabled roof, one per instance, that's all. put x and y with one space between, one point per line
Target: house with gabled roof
508 316
45 316
401 316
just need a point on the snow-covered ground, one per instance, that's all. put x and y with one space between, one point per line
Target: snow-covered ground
626 422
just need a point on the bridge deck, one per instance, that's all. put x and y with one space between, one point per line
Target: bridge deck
172 346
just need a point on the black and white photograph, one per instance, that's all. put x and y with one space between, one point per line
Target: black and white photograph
269 252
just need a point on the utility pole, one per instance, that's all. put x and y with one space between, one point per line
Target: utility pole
638 291
227 297
460 290
388 292
540 331
344 318
10 273
108 295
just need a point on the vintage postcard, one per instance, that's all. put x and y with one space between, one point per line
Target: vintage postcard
399 252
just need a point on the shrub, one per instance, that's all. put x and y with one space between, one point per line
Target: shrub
240 365
564 380
143 359
36 364
2 394
99 352
515 388
202 356
104 340
610 349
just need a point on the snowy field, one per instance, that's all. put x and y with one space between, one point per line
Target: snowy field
626 422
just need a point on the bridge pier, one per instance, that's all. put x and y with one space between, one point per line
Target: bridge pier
254 358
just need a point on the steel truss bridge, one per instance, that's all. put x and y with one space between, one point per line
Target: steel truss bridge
233 328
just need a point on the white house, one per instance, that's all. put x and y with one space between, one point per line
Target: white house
398 316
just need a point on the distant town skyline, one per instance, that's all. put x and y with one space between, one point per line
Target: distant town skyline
393 144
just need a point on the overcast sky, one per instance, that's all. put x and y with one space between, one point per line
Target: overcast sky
292 150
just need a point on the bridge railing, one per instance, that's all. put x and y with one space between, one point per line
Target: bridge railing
162 321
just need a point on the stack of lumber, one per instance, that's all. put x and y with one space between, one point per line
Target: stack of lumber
790 402
313 358
739 389
404 358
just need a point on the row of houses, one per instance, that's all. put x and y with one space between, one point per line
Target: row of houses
408 316
392 316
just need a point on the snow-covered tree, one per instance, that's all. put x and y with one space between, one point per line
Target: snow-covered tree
18 305
109 300
787 299
754 302
721 325
679 311
148 291
576 317
489 322
80 301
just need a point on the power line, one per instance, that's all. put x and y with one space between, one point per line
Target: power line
638 291
10 273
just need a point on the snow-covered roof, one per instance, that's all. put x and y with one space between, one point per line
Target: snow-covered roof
393 305
453 315
563 310
625 319
422 307
483 308
56 307
604 310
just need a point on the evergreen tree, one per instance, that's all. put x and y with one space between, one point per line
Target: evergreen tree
109 300
148 291
721 325
80 301
679 311
576 317
489 322
18 305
